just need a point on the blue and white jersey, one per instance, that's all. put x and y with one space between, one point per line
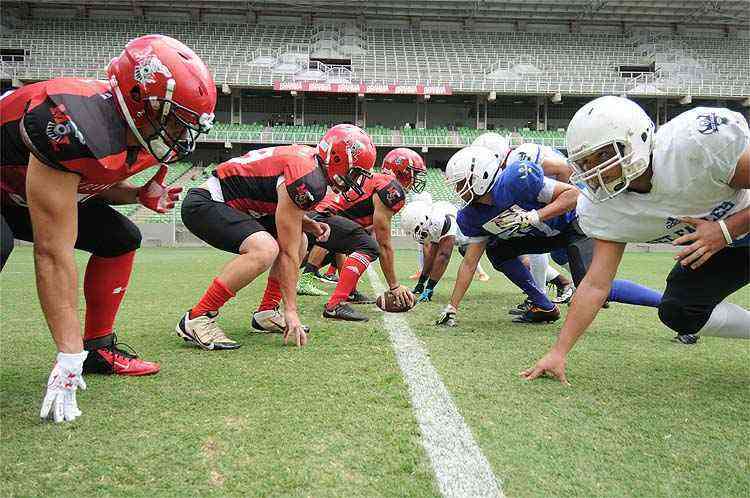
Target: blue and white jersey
521 184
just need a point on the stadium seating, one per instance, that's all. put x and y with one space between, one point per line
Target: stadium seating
507 62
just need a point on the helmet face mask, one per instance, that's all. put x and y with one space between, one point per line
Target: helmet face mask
415 220
408 167
346 154
610 141
172 130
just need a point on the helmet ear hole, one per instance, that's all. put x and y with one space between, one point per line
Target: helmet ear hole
644 136
135 93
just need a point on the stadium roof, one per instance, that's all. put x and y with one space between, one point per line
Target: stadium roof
708 13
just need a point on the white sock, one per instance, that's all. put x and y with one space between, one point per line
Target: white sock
538 264
728 320
552 274
479 269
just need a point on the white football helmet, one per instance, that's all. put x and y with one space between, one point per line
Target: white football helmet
423 196
605 133
415 220
472 170
497 143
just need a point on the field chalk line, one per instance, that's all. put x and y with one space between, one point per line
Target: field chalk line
460 467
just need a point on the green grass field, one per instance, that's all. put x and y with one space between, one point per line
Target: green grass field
644 416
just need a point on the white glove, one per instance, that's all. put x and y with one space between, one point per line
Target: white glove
60 400
448 316
513 219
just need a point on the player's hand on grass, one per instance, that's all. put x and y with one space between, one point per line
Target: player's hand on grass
156 196
59 402
552 364
425 296
295 331
403 296
707 240
447 317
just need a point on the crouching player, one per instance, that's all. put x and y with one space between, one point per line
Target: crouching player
520 211
254 206
349 218
686 184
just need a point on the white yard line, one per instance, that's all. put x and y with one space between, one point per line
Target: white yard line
460 467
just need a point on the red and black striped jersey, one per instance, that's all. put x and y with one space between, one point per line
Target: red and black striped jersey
362 209
249 182
69 124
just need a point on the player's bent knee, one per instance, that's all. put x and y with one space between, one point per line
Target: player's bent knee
370 248
683 319
262 245
124 239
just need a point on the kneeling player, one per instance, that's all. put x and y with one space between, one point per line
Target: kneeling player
254 206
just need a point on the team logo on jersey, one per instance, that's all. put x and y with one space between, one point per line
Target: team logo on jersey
671 223
709 123
147 68
61 126
302 196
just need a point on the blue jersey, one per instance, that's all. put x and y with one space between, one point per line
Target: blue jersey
521 184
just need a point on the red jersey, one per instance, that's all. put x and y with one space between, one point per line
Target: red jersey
362 209
248 183
71 125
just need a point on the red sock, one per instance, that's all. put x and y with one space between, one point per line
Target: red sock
216 295
104 286
354 267
272 295
331 270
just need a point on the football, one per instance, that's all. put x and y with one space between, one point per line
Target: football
387 302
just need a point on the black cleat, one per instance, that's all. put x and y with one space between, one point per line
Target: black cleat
687 339
343 311
357 297
326 278
521 309
538 315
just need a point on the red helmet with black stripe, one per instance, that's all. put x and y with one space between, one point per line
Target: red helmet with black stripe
408 168
348 155
165 93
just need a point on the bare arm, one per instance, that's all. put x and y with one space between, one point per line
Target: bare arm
53 207
442 251
428 253
557 167
564 198
382 224
289 232
466 271
739 223
588 300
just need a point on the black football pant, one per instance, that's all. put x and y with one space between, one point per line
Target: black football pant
691 295
102 231
346 237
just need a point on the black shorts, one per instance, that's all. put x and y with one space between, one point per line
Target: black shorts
346 236
579 249
102 230
219 225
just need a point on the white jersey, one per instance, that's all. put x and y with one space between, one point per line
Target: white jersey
694 159
442 221
532 152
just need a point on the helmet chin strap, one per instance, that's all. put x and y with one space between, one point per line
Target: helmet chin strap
126 113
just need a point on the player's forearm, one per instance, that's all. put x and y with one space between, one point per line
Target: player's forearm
587 302
387 264
428 252
121 193
308 225
739 223
463 281
441 264
57 286
289 273
564 202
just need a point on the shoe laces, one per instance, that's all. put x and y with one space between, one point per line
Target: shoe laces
213 330
116 349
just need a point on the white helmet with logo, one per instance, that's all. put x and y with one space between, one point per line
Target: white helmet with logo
609 132
478 169
497 143
415 220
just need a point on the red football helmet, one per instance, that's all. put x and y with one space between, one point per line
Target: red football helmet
165 92
348 155
408 168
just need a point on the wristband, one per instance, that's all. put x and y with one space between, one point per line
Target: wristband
725 231
431 284
394 287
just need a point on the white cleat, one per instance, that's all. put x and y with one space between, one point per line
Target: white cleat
269 321
204 332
